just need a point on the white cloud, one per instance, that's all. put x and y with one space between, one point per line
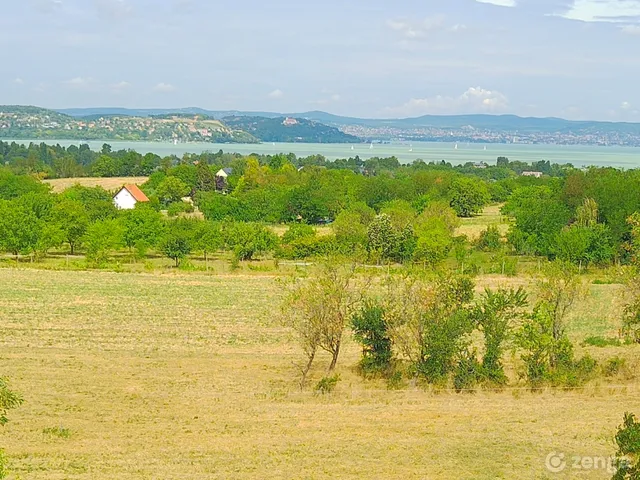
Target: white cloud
499 3
603 10
118 87
412 30
625 106
277 93
474 100
164 88
18 81
80 82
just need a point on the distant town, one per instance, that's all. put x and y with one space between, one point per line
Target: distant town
19 122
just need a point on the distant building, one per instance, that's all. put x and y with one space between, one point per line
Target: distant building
224 172
128 196
532 174
221 178
289 122
480 165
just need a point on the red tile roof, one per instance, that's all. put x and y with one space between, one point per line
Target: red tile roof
136 192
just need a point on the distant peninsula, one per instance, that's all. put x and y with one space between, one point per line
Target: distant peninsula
27 122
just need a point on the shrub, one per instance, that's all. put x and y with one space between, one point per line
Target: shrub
59 432
628 455
177 208
468 372
613 366
371 331
490 239
596 341
327 384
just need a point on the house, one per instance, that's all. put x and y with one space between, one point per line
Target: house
224 172
221 178
128 196
532 174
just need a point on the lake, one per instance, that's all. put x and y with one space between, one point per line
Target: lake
622 157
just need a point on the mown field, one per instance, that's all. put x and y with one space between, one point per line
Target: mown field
110 184
191 376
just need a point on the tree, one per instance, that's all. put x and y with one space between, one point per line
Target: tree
206 180
559 288
8 401
207 239
371 331
495 315
318 311
102 238
172 189
381 237
468 197
248 239
142 227
429 323
628 455
177 242
72 218
20 228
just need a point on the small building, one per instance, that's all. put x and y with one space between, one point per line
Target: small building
532 174
128 196
224 172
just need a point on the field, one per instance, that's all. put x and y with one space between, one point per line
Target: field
110 184
191 376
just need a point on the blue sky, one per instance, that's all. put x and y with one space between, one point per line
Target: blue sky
576 59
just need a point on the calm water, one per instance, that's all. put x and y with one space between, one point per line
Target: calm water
627 157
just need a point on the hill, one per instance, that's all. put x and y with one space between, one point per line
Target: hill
289 129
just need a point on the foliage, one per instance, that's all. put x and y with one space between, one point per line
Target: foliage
327 384
176 208
8 400
247 240
102 238
496 315
468 196
318 311
628 454
177 241
171 190
371 331
490 239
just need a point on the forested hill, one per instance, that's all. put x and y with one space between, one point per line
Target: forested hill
19 122
288 129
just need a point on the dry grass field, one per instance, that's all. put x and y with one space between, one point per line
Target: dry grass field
472 227
189 376
114 183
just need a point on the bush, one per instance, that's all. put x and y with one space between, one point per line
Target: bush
596 341
628 454
177 208
371 331
468 372
613 366
327 384
490 239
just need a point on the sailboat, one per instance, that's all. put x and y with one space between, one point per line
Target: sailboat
175 141
352 147
485 147
456 147
371 146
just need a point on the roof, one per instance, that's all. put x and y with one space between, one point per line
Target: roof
136 193
224 171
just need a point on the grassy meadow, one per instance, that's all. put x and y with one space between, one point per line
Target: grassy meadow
191 376
112 183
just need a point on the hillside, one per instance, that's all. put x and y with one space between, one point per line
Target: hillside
290 129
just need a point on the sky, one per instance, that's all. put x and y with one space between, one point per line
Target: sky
575 59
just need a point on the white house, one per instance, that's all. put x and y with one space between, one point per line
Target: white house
224 172
532 174
128 196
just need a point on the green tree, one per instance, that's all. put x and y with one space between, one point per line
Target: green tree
142 227
8 401
247 240
178 240
208 239
205 179
172 189
468 197
20 228
101 239
371 331
628 455
72 218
